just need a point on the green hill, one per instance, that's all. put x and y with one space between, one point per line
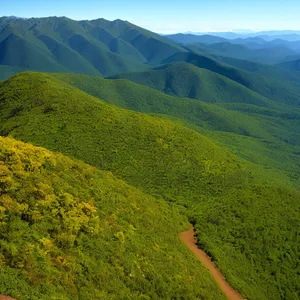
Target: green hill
259 134
279 89
31 56
186 80
246 217
97 47
267 130
293 65
70 231
270 71
128 94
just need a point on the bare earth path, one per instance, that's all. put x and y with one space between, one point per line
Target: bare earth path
189 239
6 298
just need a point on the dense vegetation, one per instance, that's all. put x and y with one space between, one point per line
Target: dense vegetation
293 65
97 47
262 135
264 48
276 88
70 231
183 79
246 217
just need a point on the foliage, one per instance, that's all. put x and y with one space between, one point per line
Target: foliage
178 164
279 89
98 47
70 231
258 133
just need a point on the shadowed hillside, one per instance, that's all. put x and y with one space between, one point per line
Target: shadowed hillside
186 80
293 65
97 47
260 48
276 89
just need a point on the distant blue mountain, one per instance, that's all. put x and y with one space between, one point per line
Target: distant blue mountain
271 49
288 35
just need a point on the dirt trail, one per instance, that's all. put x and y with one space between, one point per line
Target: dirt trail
188 238
2 297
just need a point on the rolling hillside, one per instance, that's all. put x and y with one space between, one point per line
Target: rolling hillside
246 216
261 53
275 88
271 71
293 65
186 80
259 134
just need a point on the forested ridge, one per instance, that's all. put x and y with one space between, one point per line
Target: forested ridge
115 139
240 209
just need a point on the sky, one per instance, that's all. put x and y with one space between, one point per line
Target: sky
165 16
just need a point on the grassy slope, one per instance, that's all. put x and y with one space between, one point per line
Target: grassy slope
71 231
227 198
252 133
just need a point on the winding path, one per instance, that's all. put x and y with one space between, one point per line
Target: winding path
188 238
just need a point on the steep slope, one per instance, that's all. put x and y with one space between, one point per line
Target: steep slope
228 199
153 47
71 231
31 56
53 106
97 47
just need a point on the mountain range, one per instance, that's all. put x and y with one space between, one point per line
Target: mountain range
96 47
255 48
114 139
289 35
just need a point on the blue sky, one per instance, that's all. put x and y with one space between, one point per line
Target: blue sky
165 16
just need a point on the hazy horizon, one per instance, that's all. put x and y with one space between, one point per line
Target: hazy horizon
236 31
171 16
